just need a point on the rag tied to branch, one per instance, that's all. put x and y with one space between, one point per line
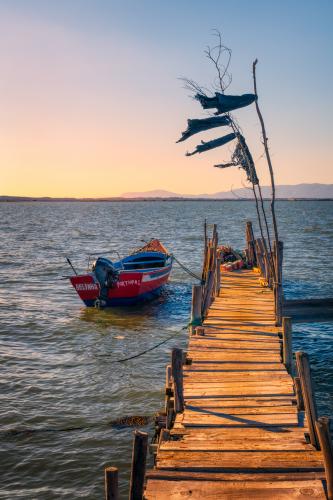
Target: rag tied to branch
224 104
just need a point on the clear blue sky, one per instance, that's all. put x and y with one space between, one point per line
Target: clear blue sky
89 90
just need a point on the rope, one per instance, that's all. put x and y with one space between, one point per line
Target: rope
118 423
146 350
188 271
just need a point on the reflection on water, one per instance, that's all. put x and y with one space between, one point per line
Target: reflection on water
58 362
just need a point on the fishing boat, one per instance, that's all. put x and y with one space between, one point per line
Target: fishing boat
138 277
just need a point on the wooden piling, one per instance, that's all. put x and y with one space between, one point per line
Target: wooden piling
207 300
177 374
323 430
111 483
196 306
200 331
218 276
139 457
260 262
287 344
304 372
278 293
250 244
299 395
164 436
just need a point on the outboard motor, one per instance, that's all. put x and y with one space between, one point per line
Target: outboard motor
106 274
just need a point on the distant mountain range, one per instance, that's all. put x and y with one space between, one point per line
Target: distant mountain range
322 191
297 191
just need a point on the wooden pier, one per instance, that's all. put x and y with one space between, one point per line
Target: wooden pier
237 425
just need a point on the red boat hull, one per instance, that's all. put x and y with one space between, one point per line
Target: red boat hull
131 287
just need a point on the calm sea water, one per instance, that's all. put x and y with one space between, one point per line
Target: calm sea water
58 359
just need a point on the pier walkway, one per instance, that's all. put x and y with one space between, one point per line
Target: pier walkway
241 434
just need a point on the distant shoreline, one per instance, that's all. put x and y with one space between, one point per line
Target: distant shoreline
112 200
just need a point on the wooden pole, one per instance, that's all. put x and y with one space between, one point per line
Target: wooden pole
268 158
259 257
323 430
218 277
266 261
304 372
298 391
168 390
203 277
111 483
208 293
250 243
139 457
278 256
287 344
177 374
200 331
164 436
196 306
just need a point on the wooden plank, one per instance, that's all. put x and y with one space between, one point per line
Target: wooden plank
223 356
240 410
235 477
234 444
238 420
238 376
236 366
242 402
259 433
281 490
254 461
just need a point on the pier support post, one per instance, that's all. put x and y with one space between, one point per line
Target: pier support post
259 257
250 244
111 483
304 372
139 457
196 306
278 259
218 276
287 344
299 395
177 374
323 430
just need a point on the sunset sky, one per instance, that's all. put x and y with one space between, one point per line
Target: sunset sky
91 104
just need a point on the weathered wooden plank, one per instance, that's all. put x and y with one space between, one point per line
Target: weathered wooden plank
235 477
240 376
255 410
254 461
236 444
242 402
281 490
233 367
259 433
207 419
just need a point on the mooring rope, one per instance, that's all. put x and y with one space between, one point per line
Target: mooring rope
186 269
126 421
146 350
117 423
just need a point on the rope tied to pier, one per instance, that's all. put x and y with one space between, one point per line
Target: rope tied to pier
188 271
146 350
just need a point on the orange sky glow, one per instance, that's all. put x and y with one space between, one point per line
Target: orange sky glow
95 110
